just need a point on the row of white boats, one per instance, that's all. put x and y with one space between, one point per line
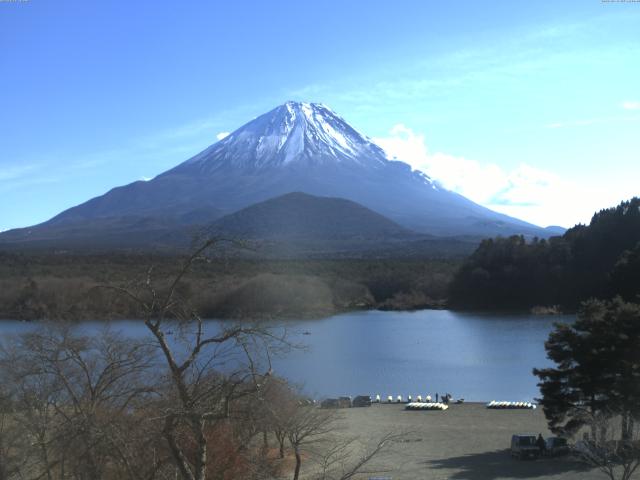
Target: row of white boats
426 403
511 405
400 399
491 404
426 406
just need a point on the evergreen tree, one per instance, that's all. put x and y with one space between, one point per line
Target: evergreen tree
597 369
625 277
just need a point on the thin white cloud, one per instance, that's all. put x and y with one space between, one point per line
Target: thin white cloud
631 105
575 123
199 130
26 181
192 129
15 171
598 120
498 59
17 177
222 135
532 194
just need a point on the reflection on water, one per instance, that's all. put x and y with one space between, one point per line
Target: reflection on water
476 356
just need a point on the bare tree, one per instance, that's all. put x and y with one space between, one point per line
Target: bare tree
189 402
344 459
278 405
101 407
74 400
11 442
613 446
313 433
208 368
307 427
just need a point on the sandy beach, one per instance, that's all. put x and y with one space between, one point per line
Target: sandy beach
467 441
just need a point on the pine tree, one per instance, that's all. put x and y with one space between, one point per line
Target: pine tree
597 368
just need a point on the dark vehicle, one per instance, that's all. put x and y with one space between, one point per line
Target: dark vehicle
556 447
344 402
330 403
362 401
524 446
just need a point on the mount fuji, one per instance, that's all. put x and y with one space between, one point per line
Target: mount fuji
296 147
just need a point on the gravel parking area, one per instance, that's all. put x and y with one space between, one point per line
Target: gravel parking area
466 441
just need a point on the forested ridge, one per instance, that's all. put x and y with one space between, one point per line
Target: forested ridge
599 260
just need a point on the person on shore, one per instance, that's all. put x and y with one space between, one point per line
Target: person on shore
436 397
541 444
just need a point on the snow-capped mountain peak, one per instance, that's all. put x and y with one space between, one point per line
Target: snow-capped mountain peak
293 133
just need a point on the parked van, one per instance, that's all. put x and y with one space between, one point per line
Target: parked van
330 403
524 446
362 401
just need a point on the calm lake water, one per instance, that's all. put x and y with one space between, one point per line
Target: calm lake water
480 357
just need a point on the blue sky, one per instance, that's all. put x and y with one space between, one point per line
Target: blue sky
530 108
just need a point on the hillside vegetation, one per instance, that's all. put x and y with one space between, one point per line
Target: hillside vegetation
599 260
67 286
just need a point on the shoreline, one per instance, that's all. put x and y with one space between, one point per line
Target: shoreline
305 315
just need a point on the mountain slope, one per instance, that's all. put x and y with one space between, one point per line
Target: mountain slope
299 216
297 147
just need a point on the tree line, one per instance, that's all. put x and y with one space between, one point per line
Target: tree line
599 260
63 286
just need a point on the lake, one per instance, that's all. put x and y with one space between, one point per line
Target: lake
477 356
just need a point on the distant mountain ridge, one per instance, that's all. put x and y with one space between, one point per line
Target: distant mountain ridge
296 147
